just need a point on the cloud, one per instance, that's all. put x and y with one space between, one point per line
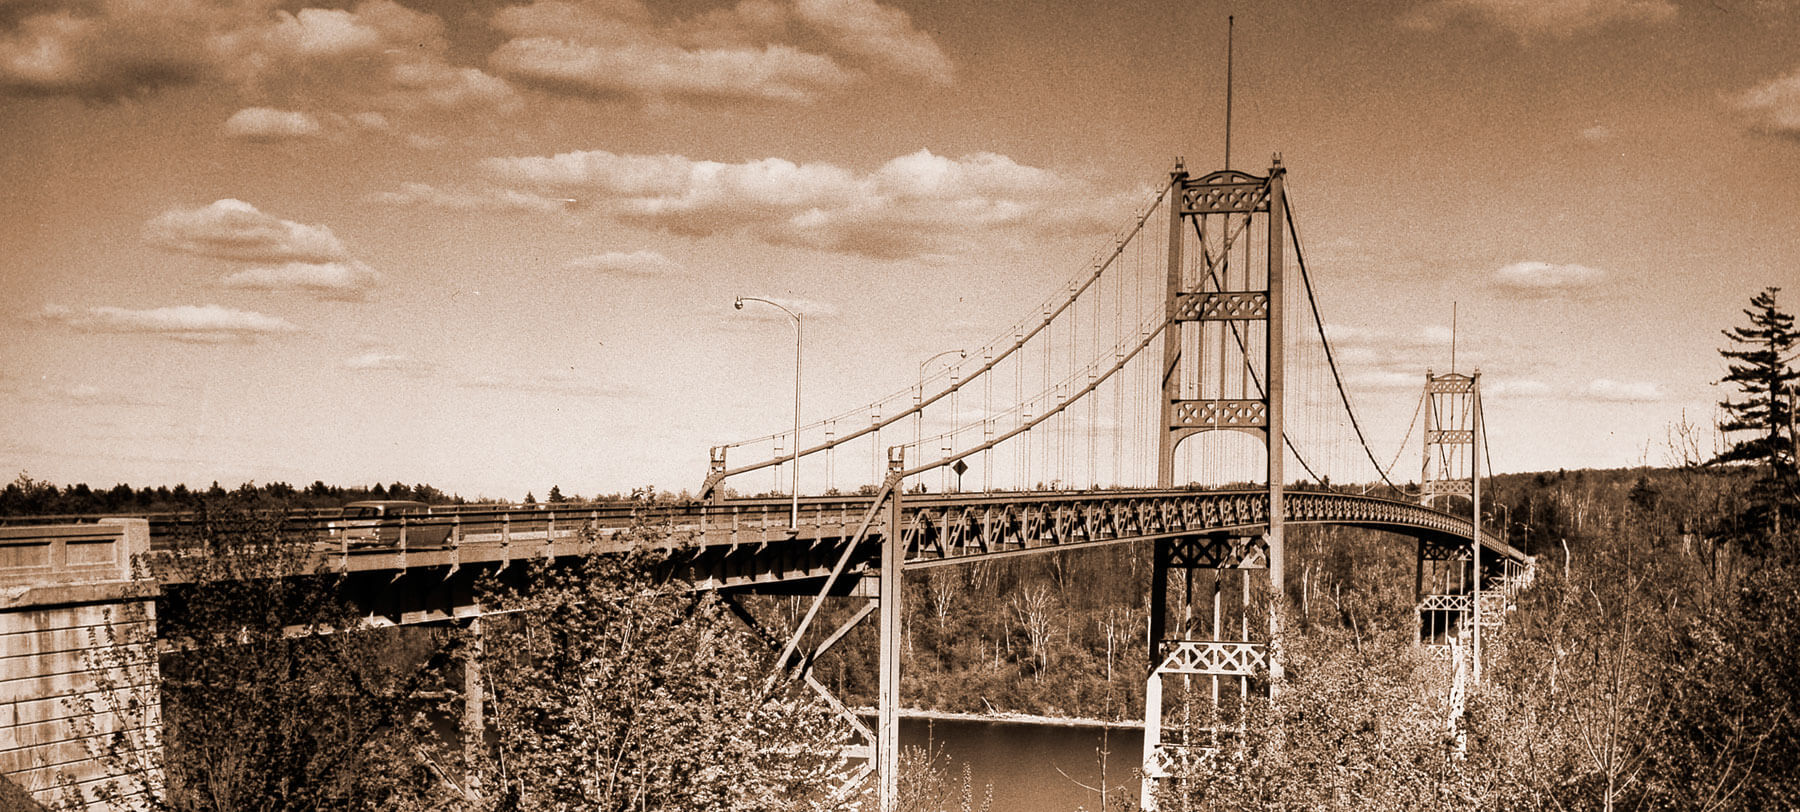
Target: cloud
1515 388
1598 133
58 393
620 49
1772 107
233 229
1612 391
388 362
643 264
209 324
1557 18
1385 380
107 50
288 66
336 281
1544 280
267 124
500 200
883 35
773 73
917 204
1387 360
376 54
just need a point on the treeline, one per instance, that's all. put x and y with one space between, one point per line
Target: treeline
25 496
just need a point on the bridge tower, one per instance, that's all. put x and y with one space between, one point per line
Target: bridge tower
1224 305
1449 577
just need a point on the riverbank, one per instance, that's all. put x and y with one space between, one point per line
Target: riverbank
1006 718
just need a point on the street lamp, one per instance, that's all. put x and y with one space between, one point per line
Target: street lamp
918 399
794 517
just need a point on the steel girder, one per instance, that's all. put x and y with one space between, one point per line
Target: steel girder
941 530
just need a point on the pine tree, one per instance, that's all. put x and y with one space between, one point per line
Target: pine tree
1757 366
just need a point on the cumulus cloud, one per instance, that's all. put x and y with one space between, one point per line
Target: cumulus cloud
209 324
620 49
376 55
624 264
501 200
1558 18
917 204
233 229
337 281
881 34
1544 279
268 124
1611 391
1772 107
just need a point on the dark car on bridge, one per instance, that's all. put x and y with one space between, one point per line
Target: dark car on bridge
383 522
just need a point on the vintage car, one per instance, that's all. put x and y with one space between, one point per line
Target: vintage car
383 522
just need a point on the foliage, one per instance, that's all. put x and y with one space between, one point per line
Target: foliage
1760 372
1758 366
615 690
269 702
1733 697
1353 726
924 783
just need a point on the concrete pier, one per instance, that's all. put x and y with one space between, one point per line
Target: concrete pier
77 662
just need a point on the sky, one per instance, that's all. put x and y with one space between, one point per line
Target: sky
494 246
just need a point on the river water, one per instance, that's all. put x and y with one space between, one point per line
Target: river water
1031 767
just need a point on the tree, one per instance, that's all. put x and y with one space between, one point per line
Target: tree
271 700
615 690
1757 366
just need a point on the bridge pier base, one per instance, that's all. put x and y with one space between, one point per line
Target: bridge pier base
1215 597
78 668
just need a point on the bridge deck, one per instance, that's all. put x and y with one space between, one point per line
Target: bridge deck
746 542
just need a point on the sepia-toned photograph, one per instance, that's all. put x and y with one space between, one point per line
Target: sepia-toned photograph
899 405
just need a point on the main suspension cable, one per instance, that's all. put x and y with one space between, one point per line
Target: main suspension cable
1330 358
1418 409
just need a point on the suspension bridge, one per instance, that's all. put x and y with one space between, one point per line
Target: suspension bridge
1180 391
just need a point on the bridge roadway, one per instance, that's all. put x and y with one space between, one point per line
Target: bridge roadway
737 544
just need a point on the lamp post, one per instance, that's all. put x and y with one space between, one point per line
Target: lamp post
794 516
919 398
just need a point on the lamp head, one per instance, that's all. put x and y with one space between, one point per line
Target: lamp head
739 304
